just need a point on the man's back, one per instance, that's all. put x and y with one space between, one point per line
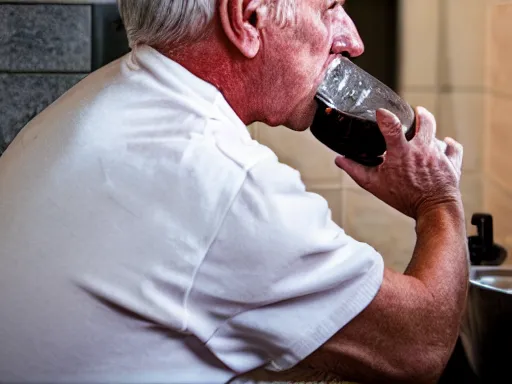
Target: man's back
112 199
85 204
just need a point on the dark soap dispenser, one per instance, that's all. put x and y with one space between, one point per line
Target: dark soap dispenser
482 249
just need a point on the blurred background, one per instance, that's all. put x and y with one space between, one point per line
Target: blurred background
453 57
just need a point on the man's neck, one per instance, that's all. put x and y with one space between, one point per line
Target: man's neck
212 62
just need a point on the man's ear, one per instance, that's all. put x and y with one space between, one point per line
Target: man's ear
242 21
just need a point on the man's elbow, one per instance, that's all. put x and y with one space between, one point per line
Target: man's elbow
428 355
425 366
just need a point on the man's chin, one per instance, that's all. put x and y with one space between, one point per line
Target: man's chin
300 119
301 123
300 128
306 118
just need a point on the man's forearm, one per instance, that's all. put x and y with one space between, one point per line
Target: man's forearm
441 262
440 259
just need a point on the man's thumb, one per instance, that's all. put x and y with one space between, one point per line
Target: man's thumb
359 173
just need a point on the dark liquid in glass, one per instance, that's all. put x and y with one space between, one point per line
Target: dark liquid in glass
357 139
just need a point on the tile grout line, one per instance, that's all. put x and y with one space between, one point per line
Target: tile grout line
457 89
441 41
28 73
49 2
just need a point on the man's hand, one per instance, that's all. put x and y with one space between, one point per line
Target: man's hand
408 332
415 176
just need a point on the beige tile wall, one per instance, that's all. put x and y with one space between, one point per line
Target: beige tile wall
369 220
419 30
498 137
463 40
445 67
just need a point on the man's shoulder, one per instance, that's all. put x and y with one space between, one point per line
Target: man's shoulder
243 150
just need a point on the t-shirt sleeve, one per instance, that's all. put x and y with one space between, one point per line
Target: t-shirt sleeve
281 277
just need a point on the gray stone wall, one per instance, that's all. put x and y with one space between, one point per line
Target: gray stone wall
45 49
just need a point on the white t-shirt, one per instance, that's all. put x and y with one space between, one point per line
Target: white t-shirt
146 238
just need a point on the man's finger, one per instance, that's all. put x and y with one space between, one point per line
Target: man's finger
425 126
441 145
359 173
454 151
391 129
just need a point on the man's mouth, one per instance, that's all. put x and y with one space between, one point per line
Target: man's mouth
325 68
331 58
323 73
328 63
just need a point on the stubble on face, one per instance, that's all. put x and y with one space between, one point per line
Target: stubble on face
308 47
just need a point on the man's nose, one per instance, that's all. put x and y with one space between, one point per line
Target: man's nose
346 37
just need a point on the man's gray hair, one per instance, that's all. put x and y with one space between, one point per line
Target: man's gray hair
178 22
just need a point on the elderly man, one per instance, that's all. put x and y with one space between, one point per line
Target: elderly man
146 238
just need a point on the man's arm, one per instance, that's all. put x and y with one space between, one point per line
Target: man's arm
408 332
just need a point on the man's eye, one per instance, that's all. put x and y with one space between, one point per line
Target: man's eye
335 4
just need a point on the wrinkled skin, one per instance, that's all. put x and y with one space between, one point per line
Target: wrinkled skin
296 57
416 176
